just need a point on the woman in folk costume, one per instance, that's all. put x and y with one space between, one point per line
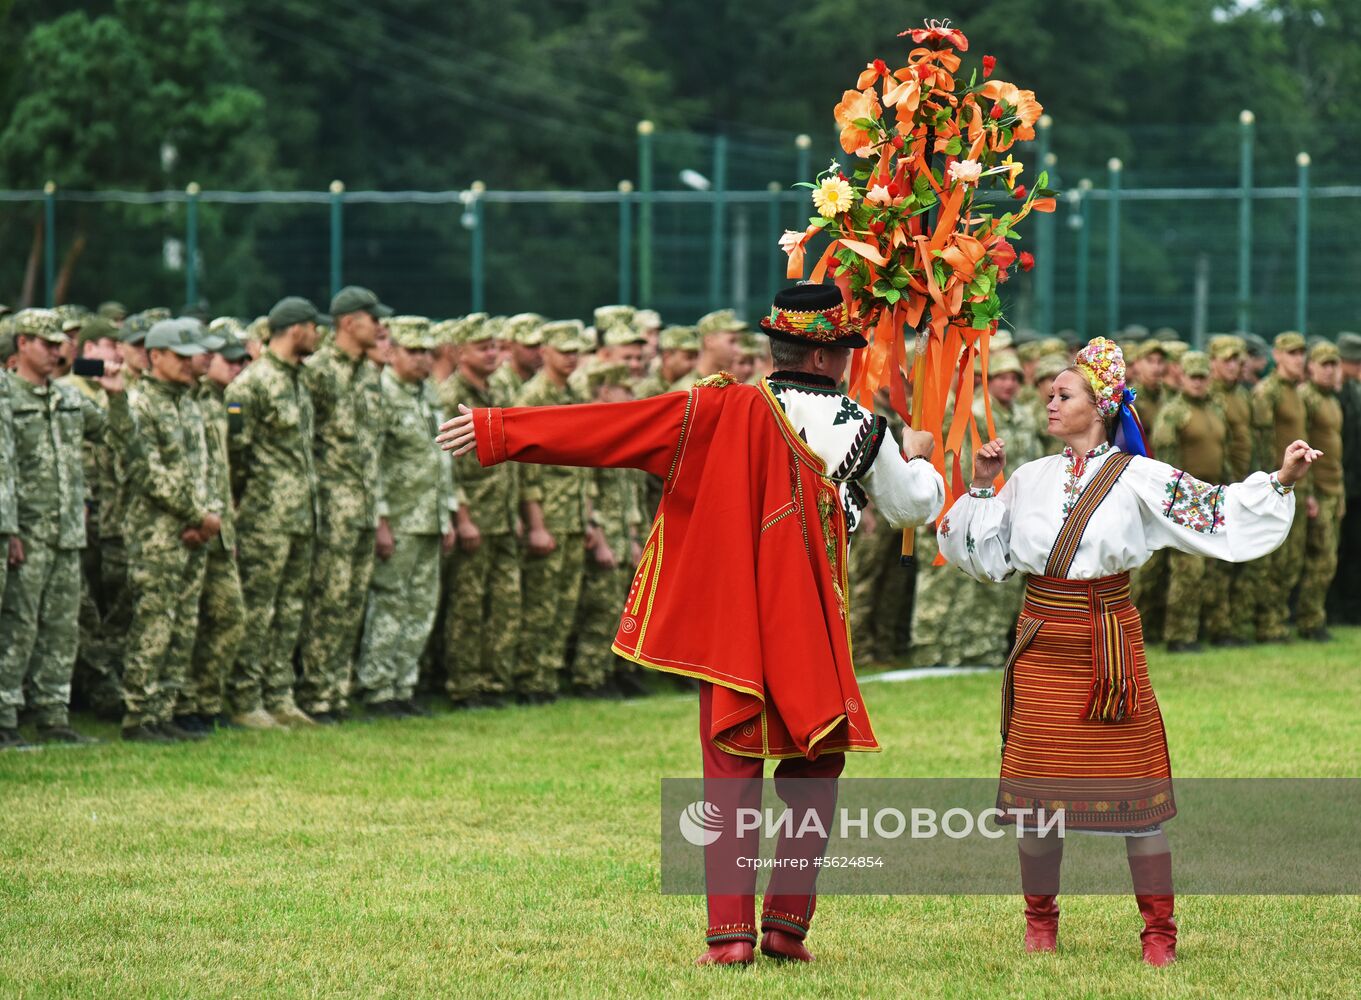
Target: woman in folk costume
1080 725
742 583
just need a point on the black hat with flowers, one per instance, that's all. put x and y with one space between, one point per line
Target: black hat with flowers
812 314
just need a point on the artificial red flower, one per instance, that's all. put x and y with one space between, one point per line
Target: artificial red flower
988 63
898 142
1003 254
996 112
1027 260
877 228
1018 192
923 71
938 31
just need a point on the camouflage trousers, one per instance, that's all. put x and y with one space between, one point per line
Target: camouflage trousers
1197 598
551 587
341 570
482 619
166 580
39 634
403 597
221 626
881 595
1148 593
1279 577
957 621
603 593
275 573
1320 563
97 682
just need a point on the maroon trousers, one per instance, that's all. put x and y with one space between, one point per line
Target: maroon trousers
733 783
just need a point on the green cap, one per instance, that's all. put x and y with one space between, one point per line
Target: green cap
678 338
134 328
1195 363
526 329
44 323
1225 345
176 335
1349 346
289 310
1175 349
1050 365
96 328
1135 331
720 321
206 337
1150 347
1289 340
353 298
1166 333
565 335
411 333
1254 344
614 374
1323 352
113 310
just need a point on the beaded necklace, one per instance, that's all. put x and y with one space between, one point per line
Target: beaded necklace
1077 465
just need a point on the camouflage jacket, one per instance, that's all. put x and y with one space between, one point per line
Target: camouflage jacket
52 425
506 381
490 495
346 400
271 448
1323 422
1192 435
1277 419
1236 401
212 402
1016 425
416 495
168 465
560 490
617 508
9 502
651 385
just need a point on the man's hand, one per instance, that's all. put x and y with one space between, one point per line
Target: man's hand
192 538
16 551
469 537
594 538
540 542
1298 457
988 463
112 379
384 544
918 444
457 435
448 540
211 527
636 550
1311 507
604 555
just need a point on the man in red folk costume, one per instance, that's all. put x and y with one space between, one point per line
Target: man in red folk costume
742 583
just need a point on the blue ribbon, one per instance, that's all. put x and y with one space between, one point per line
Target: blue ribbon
1129 434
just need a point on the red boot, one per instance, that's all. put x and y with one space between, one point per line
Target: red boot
784 947
1159 935
728 953
1041 923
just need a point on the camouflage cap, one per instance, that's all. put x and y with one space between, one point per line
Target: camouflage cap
7 345
134 328
477 327
1053 345
1195 363
206 337
719 321
606 317
525 329
96 328
1001 340
1002 363
647 319
353 298
156 313
442 332
565 335
1349 346
1134 331
1175 349
1225 345
1149 347
228 327
72 313
43 323
1289 341
1323 352
1050 365
291 309
1166 333
613 374
495 327
113 310
258 329
1255 344
177 335
1030 351
618 335
749 345
411 333
678 338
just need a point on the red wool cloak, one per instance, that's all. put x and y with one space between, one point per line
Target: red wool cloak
742 581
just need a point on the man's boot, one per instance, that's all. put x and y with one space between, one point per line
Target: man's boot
1152 874
1040 887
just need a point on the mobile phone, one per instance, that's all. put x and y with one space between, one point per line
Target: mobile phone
88 367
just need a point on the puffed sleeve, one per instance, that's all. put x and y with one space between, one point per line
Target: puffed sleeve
904 493
976 535
1236 523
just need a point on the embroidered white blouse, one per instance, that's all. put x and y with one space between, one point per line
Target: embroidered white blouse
1152 506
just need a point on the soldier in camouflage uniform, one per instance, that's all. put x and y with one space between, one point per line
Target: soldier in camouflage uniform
955 619
276 485
720 333
1227 354
1277 420
555 506
416 506
346 400
1323 424
619 342
1148 380
9 503
616 517
38 618
222 608
1192 435
169 525
481 623
523 333
679 347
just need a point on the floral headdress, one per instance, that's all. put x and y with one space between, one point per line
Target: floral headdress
1102 363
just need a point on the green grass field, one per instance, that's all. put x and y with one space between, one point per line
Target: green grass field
515 853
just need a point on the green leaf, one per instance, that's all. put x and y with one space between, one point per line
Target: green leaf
892 296
805 184
900 281
954 147
1043 179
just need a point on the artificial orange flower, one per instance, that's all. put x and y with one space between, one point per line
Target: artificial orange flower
856 104
938 31
871 74
1028 110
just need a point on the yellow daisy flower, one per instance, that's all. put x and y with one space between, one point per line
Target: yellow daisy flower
832 197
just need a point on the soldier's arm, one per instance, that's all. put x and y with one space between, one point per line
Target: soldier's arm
1167 434
161 468
241 426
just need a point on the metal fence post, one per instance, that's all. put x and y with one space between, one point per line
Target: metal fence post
1113 168
50 242
1044 237
773 241
803 145
1302 248
625 241
337 235
645 130
1245 137
191 244
479 266
717 218
1081 223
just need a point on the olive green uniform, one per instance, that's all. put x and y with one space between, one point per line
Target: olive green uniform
1323 426
1278 418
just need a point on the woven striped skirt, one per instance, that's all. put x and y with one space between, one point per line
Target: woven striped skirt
1081 729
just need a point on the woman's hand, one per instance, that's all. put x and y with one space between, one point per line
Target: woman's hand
988 463
1298 457
457 435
